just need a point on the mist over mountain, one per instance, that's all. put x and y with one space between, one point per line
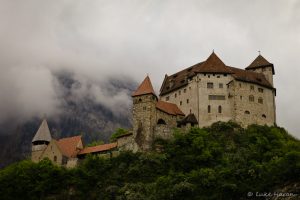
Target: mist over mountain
81 110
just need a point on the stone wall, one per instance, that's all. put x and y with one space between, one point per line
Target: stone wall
53 151
248 112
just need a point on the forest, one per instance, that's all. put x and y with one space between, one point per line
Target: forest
223 161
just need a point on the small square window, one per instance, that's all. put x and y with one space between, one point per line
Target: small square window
210 85
218 76
220 85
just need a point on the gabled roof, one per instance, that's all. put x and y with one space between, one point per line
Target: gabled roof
145 88
213 64
43 133
251 77
70 146
260 62
169 108
98 148
190 118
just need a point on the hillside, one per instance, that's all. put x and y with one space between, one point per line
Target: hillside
83 116
223 161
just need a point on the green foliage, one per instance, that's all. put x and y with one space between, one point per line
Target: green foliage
223 161
95 143
117 133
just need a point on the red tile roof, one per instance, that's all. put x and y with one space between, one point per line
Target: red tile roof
145 88
213 64
250 76
69 145
169 108
259 62
98 148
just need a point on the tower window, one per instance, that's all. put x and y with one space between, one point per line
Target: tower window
210 85
179 92
220 85
260 100
208 109
187 101
251 98
220 109
260 90
161 121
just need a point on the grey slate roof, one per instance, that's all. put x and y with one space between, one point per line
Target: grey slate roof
43 133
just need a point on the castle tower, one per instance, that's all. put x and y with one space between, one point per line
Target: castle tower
40 141
143 112
261 65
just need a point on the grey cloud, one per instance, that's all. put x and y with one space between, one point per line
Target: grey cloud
98 40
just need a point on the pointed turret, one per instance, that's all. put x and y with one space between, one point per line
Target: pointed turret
214 64
262 65
145 88
260 62
43 133
40 141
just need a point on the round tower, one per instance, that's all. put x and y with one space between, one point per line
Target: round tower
40 141
144 114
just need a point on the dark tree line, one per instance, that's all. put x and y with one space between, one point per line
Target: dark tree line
223 161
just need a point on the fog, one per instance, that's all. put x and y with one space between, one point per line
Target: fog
100 41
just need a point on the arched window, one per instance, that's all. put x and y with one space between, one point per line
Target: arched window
251 98
220 109
208 109
161 121
247 112
260 100
264 116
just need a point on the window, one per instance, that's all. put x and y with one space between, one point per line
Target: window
208 109
260 90
218 76
220 85
167 98
175 95
140 100
179 92
210 85
180 102
251 87
247 112
144 108
241 97
240 85
55 158
260 100
220 109
190 88
208 76
184 90
161 121
187 101
225 74
264 116
216 97
251 98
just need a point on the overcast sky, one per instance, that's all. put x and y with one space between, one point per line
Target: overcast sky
100 40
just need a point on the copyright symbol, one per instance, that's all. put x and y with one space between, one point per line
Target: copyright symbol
250 194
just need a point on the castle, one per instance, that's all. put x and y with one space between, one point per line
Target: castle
202 94
199 95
